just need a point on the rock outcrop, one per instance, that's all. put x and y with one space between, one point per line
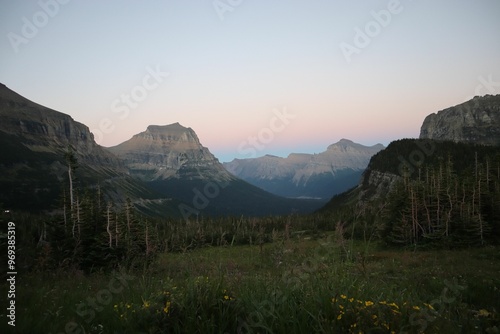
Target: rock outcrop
475 121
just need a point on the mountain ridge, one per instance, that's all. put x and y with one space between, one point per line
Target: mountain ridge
330 172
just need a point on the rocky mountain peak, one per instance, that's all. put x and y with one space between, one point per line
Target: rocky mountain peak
474 121
165 151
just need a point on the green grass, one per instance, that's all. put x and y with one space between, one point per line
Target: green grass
293 286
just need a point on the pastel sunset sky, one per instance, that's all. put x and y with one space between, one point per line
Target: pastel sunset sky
369 71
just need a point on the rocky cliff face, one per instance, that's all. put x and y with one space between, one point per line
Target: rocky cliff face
307 175
475 121
163 152
41 129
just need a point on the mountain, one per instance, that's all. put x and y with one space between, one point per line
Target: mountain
475 121
33 167
307 175
163 152
172 160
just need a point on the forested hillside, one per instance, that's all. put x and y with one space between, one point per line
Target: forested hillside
441 193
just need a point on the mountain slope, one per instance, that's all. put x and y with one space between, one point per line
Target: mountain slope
172 160
33 168
307 175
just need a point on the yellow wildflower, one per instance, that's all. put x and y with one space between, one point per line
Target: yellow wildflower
339 317
374 317
416 308
394 305
343 296
166 309
145 304
483 313
383 302
351 300
429 306
129 306
368 303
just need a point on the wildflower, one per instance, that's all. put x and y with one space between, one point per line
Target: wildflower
368 303
374 317
416 308
128 305
483 313
394 305
145 304
343 296
166 309
341 307
351 300
226 297
339 317
383 302
334 300
429 306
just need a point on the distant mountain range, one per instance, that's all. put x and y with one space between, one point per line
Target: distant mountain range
303 175
166 171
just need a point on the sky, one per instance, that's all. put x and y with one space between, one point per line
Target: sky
252 77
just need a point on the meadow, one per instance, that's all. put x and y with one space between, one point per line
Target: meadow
316 283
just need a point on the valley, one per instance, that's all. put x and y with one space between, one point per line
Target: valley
402 238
